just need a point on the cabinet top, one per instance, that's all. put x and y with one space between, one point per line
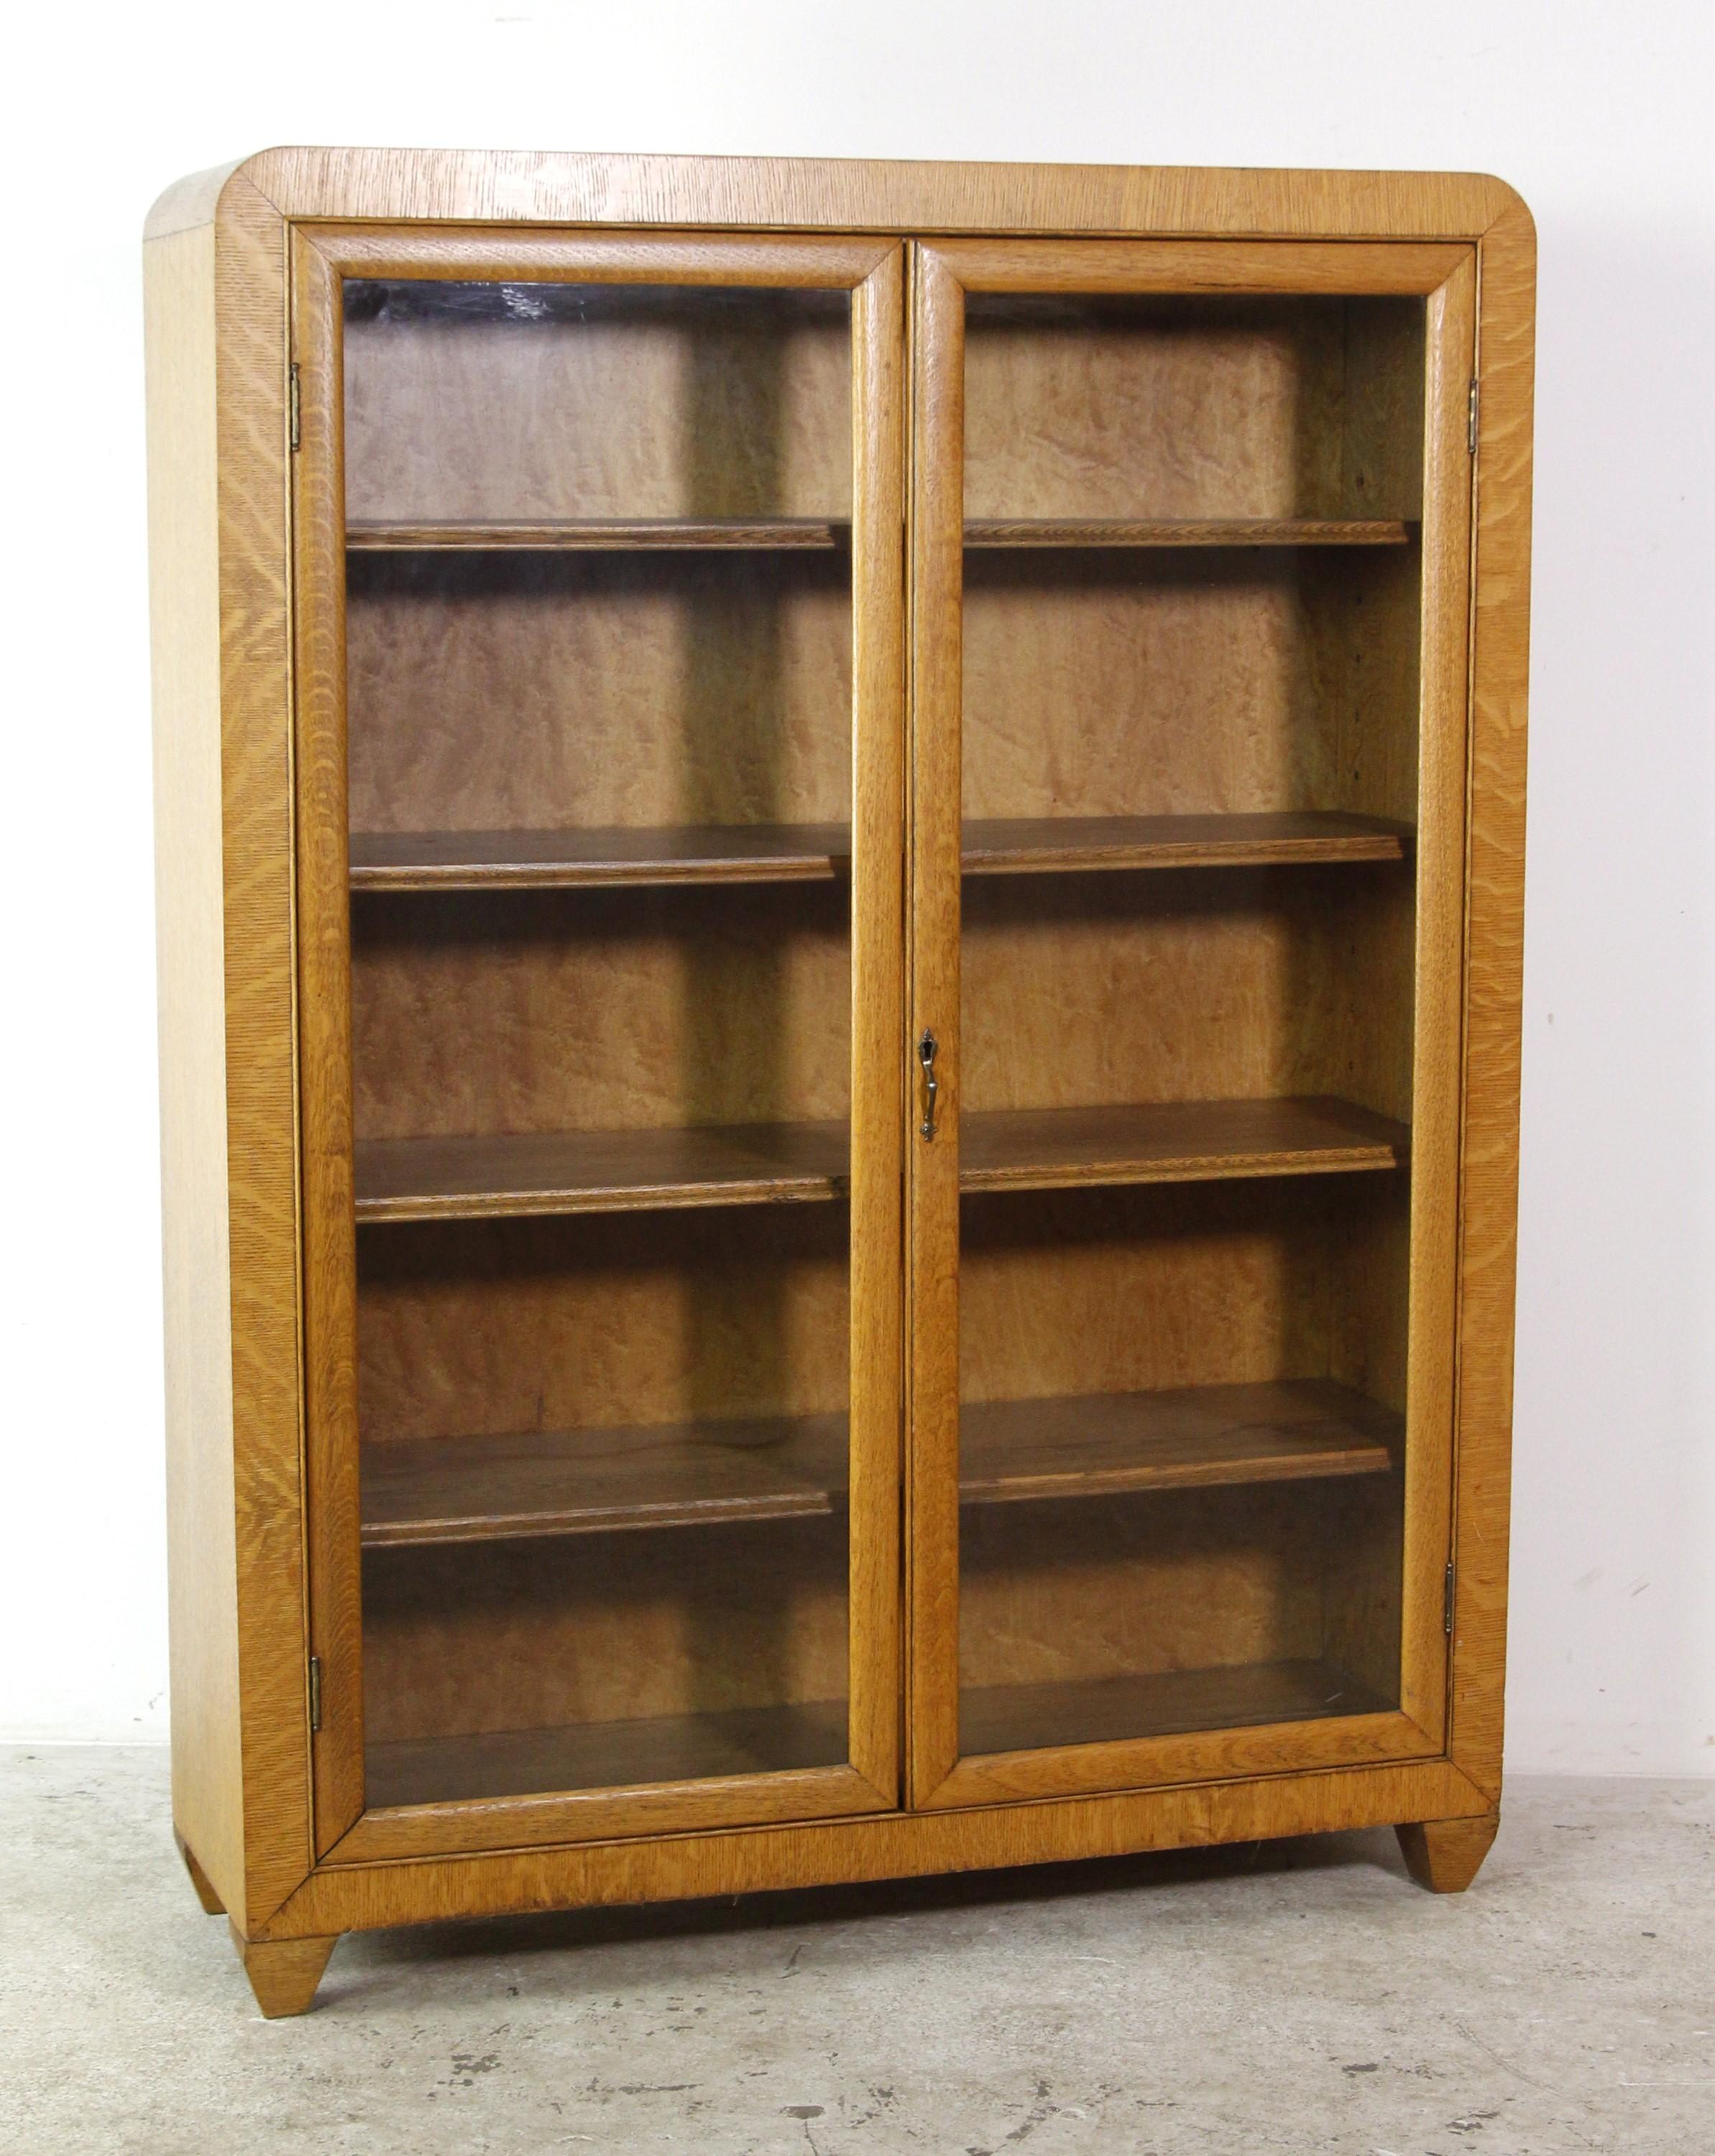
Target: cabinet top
819 193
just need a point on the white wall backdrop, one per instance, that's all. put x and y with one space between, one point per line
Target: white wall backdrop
1598 114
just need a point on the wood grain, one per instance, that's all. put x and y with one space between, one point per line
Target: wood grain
184 597
598 1171
519 691
1324 662
792 853
616 854
1211 532
608 1755
283 1973
481 412
516 188
483 1329
874 1663
1174 1141
553 1172
601 1010
466 1637
363 1893
595 1481
646 535
1494 884
935 552
1161 683
1106 1710
1445 1854
1443 735
671 534
749 1797
1191 1437
259 1009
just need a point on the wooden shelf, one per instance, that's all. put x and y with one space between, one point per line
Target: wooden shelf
590 1481
1036 845
605 1755
665 534
1174 1141
1195 532
452 1178
689 1748
645 534
565 1482
684 852
1169 1702
802 853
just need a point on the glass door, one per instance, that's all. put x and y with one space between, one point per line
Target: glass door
598 592
1190 558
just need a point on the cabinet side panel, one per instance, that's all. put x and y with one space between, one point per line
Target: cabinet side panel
256 759
1494 991
185 617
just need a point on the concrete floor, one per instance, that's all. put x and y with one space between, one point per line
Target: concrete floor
1295 1997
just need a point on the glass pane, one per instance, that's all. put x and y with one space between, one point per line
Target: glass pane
1191 651
599 672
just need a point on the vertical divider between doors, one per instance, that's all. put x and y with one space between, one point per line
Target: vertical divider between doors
1437 1055
323 913
936 581
877 965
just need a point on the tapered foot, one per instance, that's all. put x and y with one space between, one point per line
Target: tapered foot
1443 1855
212 1906
284 1973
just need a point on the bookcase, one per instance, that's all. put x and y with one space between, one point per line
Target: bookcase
841 855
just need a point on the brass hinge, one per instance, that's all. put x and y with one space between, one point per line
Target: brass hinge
315 1691
1470 419
294 407
1447 1605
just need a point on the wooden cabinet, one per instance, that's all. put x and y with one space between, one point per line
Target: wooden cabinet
841 863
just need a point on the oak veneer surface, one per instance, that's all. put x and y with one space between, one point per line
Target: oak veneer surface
371 534
1020 1149
708 852
1194 411
1023 1717
1163 682
208 1781
592 1481
1247 1282
598 1171
1216 984
602 1009
522 690
534 1632
1036 1148
1082 1589
617 1754
1187 531
589 535
485 402
1363 210
785 853
1012 845
992 1718
603 1320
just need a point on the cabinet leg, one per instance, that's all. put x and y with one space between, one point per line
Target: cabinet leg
283 1973
1443 1855
212 1906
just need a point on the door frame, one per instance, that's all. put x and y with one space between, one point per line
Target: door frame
320 256
940 273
